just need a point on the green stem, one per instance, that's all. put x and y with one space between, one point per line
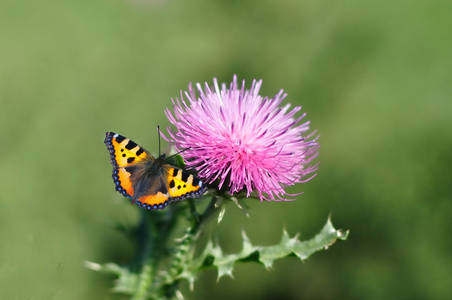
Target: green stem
183 253
146 244
154 231
144 282
201 221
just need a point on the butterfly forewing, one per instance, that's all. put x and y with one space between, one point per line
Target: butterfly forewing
127 159
125 152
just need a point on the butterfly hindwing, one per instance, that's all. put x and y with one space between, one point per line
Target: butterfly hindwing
149 182
174 184
155 194
183 184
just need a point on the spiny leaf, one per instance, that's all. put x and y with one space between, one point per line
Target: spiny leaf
213 256
269 253
185 266
325 238
126 281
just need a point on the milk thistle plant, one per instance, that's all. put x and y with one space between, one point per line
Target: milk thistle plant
243 146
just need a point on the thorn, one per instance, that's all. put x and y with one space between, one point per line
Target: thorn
221 214
92 265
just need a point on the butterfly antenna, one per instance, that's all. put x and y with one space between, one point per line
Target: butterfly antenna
158 132
158 129
179 152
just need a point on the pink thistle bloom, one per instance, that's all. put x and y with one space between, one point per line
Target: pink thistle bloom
242 139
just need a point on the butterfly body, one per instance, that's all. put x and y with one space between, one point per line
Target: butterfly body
148 181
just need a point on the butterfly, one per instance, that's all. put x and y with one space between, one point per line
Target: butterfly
149 182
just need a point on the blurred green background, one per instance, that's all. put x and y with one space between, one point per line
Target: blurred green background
375 78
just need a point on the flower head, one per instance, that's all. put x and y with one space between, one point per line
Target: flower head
242 139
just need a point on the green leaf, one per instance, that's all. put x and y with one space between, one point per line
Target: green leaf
126 281
213 256
322 241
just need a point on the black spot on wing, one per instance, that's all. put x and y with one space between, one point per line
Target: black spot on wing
195 181
130 145
172 184
130 160
185 176
175 170
120 138
140 151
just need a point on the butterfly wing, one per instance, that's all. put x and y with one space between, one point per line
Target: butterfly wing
128 160
171 184
152 192
182 184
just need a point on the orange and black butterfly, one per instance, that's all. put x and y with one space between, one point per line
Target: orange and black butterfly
149 182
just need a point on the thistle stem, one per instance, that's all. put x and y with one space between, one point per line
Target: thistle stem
201 221
153 232
183 254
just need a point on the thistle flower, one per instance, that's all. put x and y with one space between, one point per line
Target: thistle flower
242 139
